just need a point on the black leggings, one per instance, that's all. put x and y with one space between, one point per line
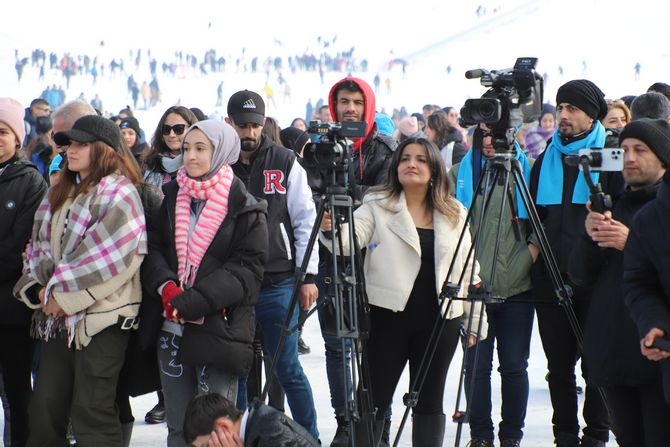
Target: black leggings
395 338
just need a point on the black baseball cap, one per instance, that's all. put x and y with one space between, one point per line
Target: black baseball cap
91 128
245 107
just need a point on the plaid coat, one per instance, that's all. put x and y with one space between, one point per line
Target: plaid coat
87 255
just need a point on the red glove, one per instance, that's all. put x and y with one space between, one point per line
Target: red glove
170 290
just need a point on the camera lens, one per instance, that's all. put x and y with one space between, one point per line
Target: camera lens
488 110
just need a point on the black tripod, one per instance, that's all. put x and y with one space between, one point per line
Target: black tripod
497 173
347 307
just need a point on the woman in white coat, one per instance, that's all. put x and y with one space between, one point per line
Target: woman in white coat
410 228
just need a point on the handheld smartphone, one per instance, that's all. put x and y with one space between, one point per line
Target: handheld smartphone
661 343
607 159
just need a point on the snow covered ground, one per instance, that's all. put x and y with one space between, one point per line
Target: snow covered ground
538 419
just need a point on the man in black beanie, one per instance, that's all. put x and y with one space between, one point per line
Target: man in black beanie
560 194
631 383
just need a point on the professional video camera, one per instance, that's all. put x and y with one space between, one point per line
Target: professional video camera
514 97
332 150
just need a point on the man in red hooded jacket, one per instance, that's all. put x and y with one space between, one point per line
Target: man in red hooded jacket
350 99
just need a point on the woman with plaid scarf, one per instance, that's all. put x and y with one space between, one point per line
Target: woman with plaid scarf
82 275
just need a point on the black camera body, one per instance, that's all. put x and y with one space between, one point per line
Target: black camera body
514 96
332 151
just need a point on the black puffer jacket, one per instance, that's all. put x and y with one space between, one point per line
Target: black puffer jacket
21 191
611 342
646 277
226 287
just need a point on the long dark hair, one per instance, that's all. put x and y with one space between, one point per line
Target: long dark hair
158 146
271 129
438 121
104 161
439 196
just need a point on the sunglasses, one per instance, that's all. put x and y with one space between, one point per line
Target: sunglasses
177 128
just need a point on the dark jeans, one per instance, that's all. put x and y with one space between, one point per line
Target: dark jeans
640 415
510 328
16 353
89 401
338 350
561 349
251 386
271 310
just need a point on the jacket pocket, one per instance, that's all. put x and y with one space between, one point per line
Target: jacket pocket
286 240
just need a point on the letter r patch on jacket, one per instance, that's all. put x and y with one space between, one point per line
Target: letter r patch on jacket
273 181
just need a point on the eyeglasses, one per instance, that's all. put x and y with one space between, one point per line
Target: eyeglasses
177 128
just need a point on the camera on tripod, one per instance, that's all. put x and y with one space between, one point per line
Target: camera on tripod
333 150
514 97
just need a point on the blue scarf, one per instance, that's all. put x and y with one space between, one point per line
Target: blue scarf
550 183
471 169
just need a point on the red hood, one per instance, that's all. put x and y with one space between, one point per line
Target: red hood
370 107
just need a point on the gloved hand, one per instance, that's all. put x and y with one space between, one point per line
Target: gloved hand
170 290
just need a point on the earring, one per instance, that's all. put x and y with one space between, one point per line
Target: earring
430 184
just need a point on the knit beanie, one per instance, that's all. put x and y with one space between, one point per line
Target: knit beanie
548 109
131 123
654 132
584 94
385 124
293 138
11 113
408 125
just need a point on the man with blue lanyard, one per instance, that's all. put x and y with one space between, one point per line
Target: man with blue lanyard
560 193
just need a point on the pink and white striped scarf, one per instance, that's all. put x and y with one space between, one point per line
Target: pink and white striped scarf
191 247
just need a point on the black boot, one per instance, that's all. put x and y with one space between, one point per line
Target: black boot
428 430
302 346
157 414
510 443
341 438
588 441
127 433
361 433
566 440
